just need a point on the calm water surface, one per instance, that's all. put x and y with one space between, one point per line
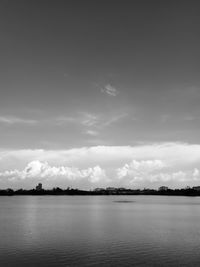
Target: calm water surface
99 231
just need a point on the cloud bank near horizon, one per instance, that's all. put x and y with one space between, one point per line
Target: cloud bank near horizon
153 165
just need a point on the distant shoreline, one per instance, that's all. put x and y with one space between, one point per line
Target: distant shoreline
100 192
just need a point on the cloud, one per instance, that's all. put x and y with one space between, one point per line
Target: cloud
92 133
140 168
89 119
91 122
196 173
114 119
42 171
110 90
175 154
152 165
63 120
189 118
180 177
100 121
16 120
149 173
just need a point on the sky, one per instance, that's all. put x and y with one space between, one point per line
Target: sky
99 93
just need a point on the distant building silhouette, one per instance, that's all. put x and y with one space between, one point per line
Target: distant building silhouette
163 188
111 189
38 187
99 189
197 188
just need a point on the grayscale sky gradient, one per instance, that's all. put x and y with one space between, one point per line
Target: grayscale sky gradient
119 77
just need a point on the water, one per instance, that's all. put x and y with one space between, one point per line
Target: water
99 231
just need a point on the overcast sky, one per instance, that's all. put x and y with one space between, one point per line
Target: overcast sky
99 93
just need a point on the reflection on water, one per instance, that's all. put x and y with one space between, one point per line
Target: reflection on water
99 231
123 201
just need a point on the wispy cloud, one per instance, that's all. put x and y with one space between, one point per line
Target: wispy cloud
16 120
92 133
110 90
189 118
114 119
101 121
89 119
64 119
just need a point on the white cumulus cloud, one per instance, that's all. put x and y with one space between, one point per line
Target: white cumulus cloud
151 165
43 171
140 168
